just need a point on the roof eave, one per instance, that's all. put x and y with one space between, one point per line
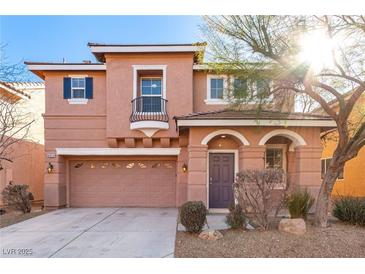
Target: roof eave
99 50
39 68
256 122
14 92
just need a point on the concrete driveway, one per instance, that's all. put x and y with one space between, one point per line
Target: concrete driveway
93 232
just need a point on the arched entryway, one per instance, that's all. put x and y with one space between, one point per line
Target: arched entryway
222 165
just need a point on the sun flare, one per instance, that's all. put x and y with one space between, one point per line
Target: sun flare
316 50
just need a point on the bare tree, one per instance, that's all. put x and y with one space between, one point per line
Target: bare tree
15 121
10 72
321 57
254 191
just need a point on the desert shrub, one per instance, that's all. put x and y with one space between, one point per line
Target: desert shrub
18 196
193 216
350 210
299 203
235 218
260 193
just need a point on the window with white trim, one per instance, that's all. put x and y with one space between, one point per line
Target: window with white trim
244 88
216 88
151 86
78 88
325 164
262 86
274 158
151 92
240 88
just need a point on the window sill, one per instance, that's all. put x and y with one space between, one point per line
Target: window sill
78 101
280 187
216 102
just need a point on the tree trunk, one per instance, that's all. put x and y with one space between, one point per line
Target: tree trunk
323 199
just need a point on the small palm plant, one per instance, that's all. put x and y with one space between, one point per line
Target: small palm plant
299 203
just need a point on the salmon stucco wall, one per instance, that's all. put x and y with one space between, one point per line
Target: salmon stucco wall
69 125
303 163
119 89
283 101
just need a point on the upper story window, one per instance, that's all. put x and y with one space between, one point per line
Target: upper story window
151 87
151 92
240 87
149 103
78 88
220 90
216 89
262 86
245 88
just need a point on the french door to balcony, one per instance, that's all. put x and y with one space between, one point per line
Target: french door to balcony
151 93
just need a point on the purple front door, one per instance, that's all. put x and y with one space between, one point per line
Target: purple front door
221 177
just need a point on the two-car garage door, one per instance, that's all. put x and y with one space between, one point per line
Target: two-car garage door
112 183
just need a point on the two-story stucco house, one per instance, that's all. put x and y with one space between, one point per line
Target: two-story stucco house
148 126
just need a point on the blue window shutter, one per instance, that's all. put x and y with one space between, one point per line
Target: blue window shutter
89 87
67 88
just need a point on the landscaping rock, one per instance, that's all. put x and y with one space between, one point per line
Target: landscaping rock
210 235
249 226
293 226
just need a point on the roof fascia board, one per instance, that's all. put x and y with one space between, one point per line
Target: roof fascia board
236 122
14 92
138 49
117 151
66 67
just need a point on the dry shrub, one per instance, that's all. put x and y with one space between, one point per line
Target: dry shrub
235 218
254 191
18 196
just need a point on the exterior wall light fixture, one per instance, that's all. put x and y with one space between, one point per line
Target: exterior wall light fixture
50 168
184 168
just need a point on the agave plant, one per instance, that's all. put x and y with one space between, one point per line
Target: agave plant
299 204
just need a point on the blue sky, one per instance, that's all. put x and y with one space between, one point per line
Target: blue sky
52 38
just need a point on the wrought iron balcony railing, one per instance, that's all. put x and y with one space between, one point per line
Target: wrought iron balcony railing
149 108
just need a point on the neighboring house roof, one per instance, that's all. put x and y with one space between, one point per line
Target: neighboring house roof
253 117
100 49
11 89
24 86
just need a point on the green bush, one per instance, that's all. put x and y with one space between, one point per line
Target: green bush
350 210
299 203
18 196
235 218
193 216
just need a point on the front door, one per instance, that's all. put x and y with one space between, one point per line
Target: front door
221 177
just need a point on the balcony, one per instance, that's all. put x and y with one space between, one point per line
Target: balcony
149 114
